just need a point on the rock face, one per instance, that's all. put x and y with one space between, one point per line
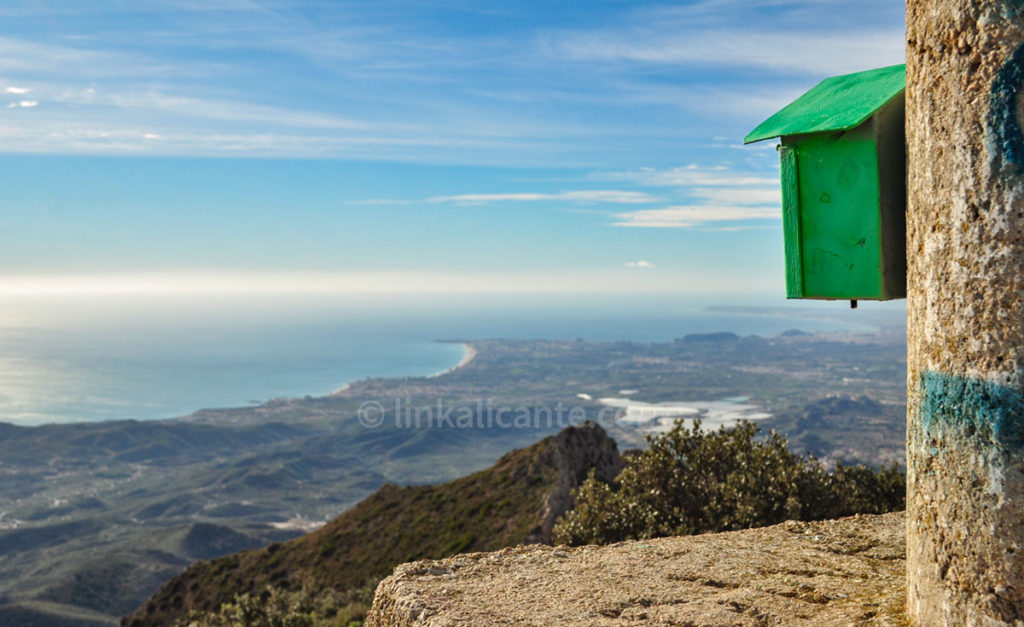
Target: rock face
838 572
516 501
574 451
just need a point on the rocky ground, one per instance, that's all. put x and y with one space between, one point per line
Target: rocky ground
837 572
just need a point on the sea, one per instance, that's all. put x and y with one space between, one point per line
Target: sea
92 358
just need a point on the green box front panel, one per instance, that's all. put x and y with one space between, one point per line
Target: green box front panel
791 222
838 232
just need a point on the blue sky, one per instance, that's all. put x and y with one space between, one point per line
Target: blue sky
204 145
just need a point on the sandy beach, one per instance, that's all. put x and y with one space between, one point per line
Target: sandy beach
468 357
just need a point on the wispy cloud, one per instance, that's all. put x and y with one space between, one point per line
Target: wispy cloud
717 194
47 61
780 51
299 79
23 104
95 134
160 103
690 176
770 195
16 90
583 196
693 215
639 264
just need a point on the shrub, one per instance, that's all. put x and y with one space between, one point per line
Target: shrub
690 481
280 608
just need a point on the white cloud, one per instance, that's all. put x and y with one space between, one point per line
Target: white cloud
783 51
639 264
16 90
717 194
689 176
741 195
23 104
160 102
95 134
406 83
692 215
22 56
606 196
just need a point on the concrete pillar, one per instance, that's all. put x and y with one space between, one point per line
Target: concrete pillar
965 361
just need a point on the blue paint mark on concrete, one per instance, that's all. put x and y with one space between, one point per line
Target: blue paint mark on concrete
976 409
1004 134
1009 9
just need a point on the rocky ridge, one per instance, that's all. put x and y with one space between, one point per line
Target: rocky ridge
516 501
834 572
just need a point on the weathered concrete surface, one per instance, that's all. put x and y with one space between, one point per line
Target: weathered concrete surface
841 572
965 248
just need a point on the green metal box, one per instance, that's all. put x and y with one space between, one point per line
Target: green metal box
844 193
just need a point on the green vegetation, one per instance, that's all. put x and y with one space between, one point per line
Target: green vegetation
96 516
690 481
275 607
488 510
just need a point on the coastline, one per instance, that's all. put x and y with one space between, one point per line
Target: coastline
299 364
466 358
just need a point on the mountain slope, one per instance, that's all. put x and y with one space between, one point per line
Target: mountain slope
515 501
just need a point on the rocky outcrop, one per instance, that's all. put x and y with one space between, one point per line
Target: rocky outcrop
837 572
574 452
516 501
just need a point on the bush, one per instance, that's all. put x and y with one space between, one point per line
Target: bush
690 481
280 608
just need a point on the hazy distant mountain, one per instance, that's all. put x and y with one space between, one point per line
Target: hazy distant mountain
95 516
515 501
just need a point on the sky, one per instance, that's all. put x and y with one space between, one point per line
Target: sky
395 146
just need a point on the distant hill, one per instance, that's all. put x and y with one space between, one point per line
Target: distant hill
794 333
515 501
94 517
852 429
720 337
157 442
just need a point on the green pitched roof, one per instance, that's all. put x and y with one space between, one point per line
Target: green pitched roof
835 104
